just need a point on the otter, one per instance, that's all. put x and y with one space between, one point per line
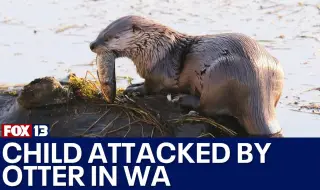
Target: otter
229 73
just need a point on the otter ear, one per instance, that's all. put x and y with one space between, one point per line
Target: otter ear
136 28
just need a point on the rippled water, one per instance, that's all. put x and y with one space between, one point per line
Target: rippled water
51 37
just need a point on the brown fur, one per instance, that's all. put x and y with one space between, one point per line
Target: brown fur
229 73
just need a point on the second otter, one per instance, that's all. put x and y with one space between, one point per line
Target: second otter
221 74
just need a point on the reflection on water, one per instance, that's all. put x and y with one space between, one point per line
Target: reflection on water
51 37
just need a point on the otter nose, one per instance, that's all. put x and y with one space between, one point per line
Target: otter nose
93 45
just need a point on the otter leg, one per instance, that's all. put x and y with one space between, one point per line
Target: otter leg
146 88
234 87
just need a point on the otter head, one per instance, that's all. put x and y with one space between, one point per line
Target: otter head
120 37
142 40
134 35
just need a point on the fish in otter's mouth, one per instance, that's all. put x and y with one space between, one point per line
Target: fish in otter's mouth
107 75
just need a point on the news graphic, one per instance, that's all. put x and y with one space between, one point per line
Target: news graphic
24 130
147 168
30 162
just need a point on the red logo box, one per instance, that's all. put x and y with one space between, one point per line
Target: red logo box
16 130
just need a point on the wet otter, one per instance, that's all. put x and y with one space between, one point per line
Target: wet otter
219 74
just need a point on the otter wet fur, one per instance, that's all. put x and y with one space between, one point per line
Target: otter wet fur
218 74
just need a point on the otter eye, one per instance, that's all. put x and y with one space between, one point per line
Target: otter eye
116 37
107 38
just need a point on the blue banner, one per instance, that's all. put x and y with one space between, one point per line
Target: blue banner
144 163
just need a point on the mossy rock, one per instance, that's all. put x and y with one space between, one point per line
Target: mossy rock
87 114
42 92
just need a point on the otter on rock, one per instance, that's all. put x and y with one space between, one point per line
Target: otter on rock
218 74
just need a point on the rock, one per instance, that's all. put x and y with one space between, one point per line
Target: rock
42 92
147 116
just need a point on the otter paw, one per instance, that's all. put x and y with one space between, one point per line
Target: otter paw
135 91
136 85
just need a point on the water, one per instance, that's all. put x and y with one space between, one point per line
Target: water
51 38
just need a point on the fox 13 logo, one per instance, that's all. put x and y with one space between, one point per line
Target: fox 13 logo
24 130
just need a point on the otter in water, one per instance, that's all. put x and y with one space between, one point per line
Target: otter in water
219 74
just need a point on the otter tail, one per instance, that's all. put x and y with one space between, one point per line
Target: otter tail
260 117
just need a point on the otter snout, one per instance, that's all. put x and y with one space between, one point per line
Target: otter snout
97 46
93 45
